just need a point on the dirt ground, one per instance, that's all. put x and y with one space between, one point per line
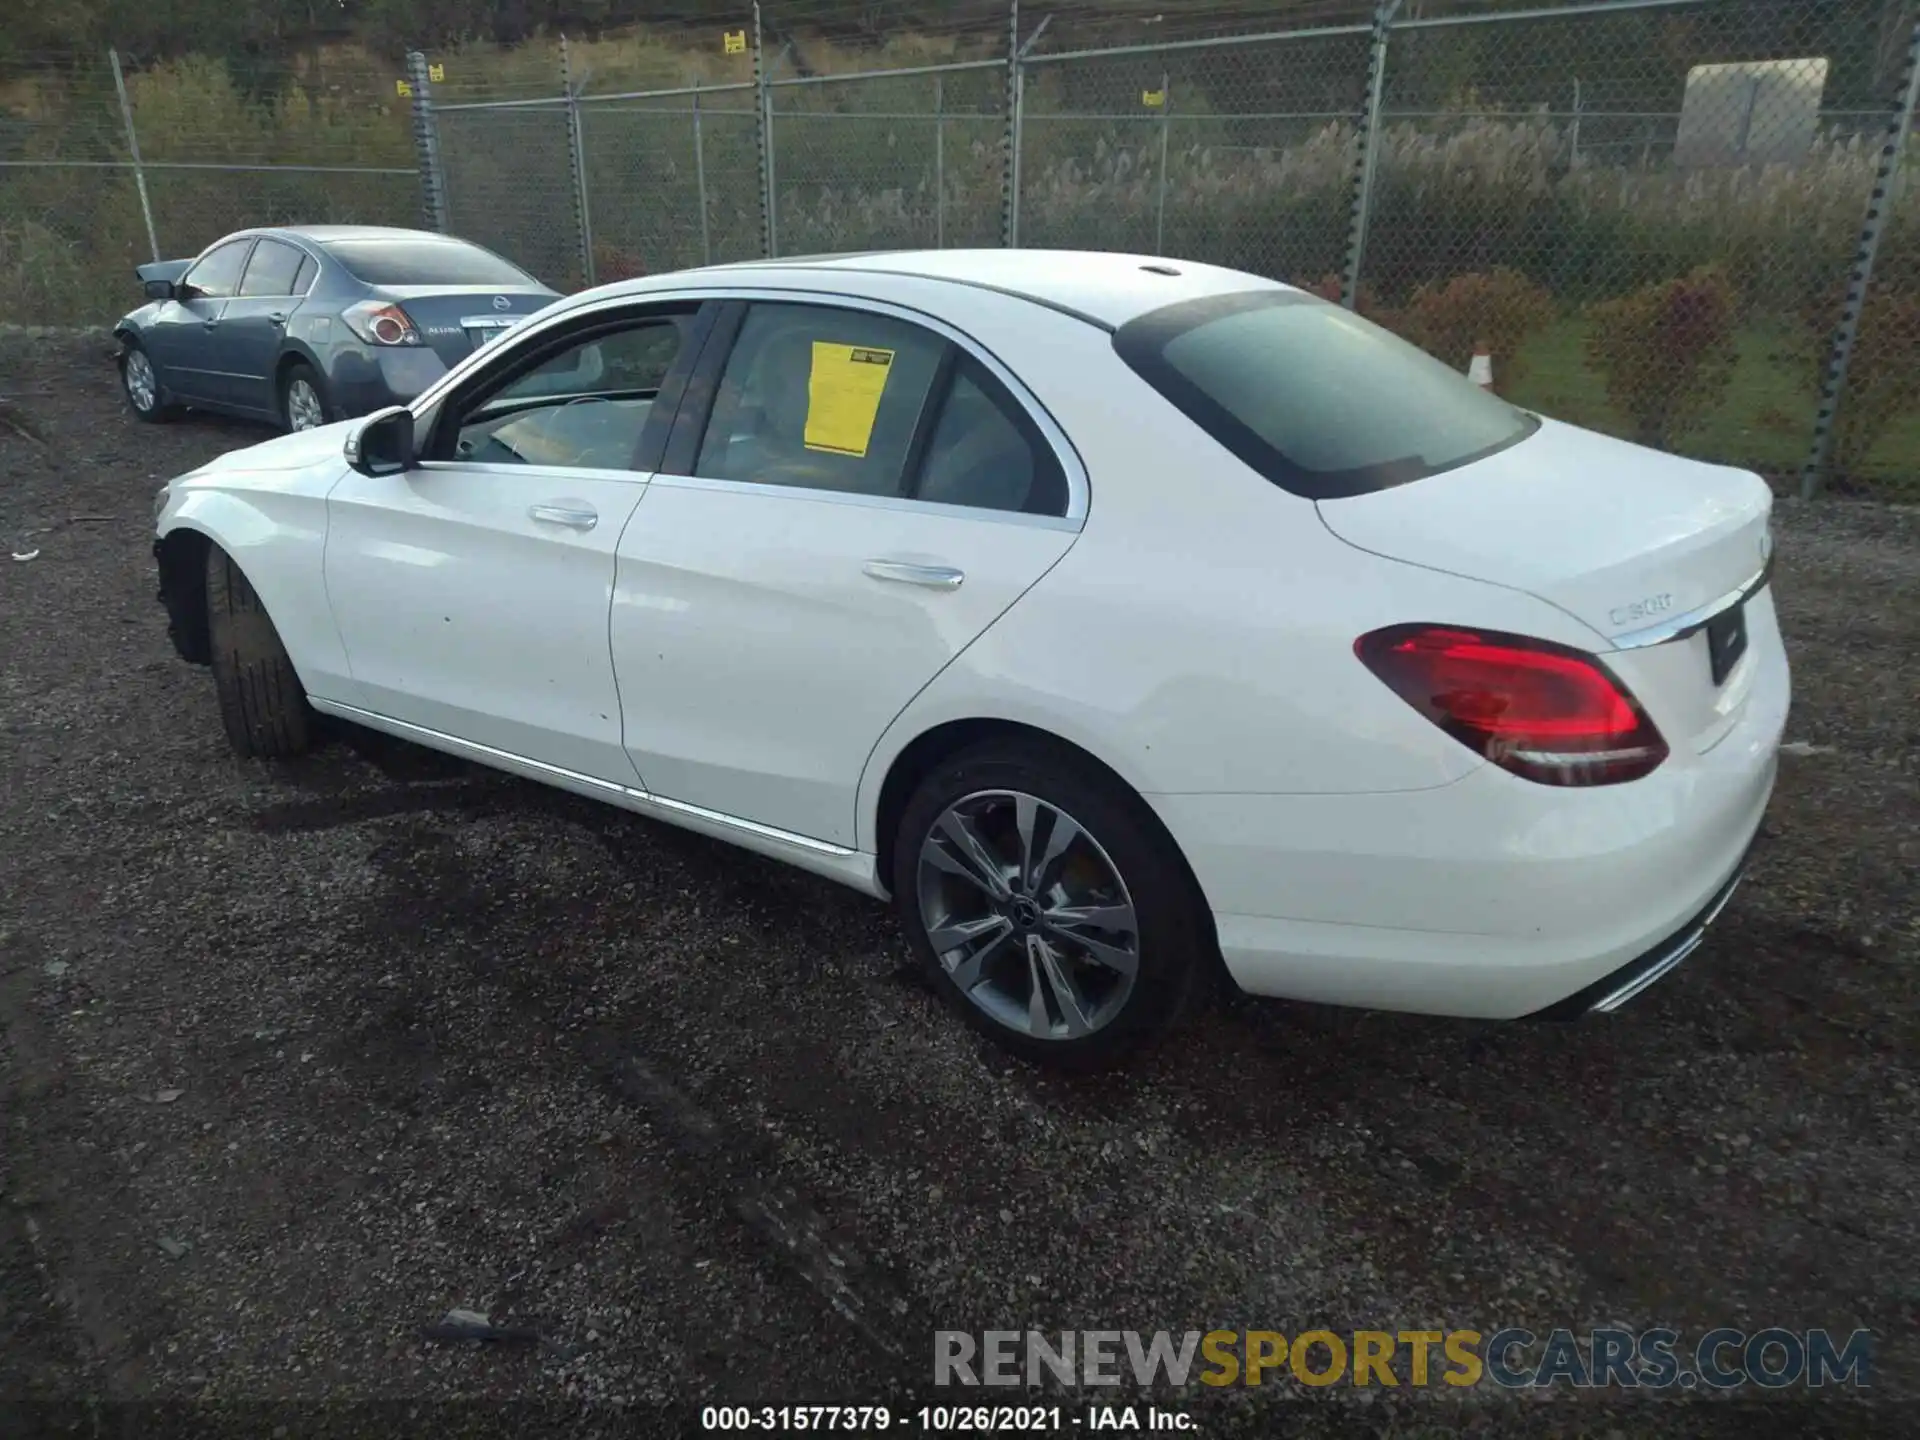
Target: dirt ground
297 1058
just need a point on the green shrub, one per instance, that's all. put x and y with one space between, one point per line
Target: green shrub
1666 351
1498 310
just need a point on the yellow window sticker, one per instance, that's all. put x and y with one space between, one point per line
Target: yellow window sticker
843 396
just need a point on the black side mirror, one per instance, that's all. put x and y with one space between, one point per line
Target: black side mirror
382 444
161 289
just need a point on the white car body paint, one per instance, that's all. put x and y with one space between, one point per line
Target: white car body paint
716 654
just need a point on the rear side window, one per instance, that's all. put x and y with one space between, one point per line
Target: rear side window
272 270
1319 401
424 262
303 282
985 451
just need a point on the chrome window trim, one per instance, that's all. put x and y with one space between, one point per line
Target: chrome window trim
1681 626
535 472
1079 488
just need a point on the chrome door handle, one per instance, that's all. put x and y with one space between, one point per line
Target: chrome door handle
568 515
934 577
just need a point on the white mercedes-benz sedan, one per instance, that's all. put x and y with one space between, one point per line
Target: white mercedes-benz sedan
1120 619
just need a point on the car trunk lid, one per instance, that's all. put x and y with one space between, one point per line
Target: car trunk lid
1632 542
455 320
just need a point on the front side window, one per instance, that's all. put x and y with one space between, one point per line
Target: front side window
273 270
425 262
584 406
217 275
1314 398
821 398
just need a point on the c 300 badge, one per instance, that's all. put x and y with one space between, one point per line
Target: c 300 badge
1641 609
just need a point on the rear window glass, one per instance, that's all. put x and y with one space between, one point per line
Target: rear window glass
1313 397
424 262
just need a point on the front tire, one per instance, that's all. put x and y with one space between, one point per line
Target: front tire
263 705
140 384
1048 905
303 398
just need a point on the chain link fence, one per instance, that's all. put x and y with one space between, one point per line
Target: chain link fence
1690 222
109 162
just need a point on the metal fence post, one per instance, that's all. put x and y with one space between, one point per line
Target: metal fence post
1834 383
939 165
577 163
1160 205
763 136
1369 151
133 151
700 180
1010 140
426 143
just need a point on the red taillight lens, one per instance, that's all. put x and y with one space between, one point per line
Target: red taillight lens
381 324
1540 710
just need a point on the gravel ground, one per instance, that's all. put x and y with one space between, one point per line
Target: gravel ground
298 1057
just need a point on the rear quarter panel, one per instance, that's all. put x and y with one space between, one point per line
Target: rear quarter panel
1198 638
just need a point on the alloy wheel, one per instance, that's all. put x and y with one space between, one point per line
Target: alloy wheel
304 411
1028 915
142 387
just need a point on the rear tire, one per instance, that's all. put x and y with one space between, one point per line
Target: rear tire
263 705
304 404
140 384
1138 909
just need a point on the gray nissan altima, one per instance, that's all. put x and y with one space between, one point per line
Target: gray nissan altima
307 324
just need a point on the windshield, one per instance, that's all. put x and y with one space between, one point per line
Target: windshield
424 262
1316 399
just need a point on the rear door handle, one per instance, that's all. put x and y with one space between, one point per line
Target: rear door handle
572 516
276 320
934 577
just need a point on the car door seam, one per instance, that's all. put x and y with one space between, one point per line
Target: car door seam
613 664
887 729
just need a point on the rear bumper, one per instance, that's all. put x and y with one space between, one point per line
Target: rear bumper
364 379
1491 897
1610 992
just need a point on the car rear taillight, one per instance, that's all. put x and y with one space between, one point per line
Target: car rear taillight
378 323
1543 711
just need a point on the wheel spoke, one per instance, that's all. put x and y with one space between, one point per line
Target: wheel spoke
1039 1021
966 971
956 933
972 851
1111 957
1060 834
1026 811
1101 917
1066 998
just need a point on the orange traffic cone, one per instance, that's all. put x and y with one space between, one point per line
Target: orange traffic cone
1480 368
